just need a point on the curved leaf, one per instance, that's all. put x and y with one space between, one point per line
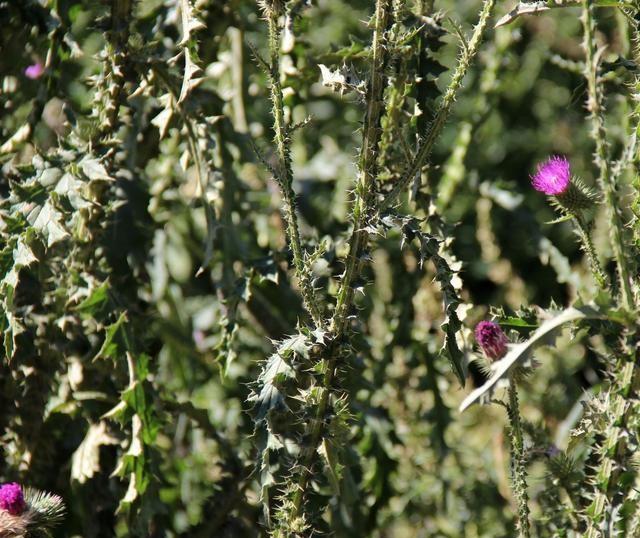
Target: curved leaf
521 352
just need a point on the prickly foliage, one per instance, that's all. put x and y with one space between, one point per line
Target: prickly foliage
243 246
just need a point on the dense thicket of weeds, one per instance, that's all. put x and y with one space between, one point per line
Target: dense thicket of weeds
319 267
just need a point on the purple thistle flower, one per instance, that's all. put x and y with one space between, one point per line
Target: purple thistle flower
34 71
491 339
12 499
553 176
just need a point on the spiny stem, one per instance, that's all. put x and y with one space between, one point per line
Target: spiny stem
601 155
364 202
365 197
442 114
596 268
614 453
633 15
317 428
518 471
285 173
114 65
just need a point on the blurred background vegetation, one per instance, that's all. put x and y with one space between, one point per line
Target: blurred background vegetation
133 336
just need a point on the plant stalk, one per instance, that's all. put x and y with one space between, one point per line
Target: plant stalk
364 203
363 207
435 127
518 471
596 268
285 173
601 155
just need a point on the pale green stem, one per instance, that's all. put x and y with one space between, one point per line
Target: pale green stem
364 203
285 173
518 470
601 155
596 268
365 197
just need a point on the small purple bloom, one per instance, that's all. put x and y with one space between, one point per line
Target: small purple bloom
34 71
12 499
553 176
491 339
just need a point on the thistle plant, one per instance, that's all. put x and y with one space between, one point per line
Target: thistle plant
243 248
322 403
573 199
602 159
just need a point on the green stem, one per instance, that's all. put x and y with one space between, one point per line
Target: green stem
285 173
435 127
364 202
601 155
363 205
596 268
633 15
316 428
518 471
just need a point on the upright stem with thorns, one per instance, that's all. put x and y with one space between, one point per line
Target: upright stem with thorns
518 471
365 192
363 207
285 173
601 156
469 51
596 268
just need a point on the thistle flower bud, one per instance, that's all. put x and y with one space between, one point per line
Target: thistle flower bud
491 339
12 499
28 513
553 178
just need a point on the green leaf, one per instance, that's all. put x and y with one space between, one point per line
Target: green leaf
114 345
96 302
49 222
270 396
519 323
94 169
161 121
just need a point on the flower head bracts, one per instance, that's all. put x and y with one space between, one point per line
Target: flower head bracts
553 176
12 499
491 339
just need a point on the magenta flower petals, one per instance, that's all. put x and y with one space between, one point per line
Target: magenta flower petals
491 339
12 499
553 176
34 71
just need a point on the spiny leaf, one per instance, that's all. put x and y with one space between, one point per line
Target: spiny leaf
446 276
